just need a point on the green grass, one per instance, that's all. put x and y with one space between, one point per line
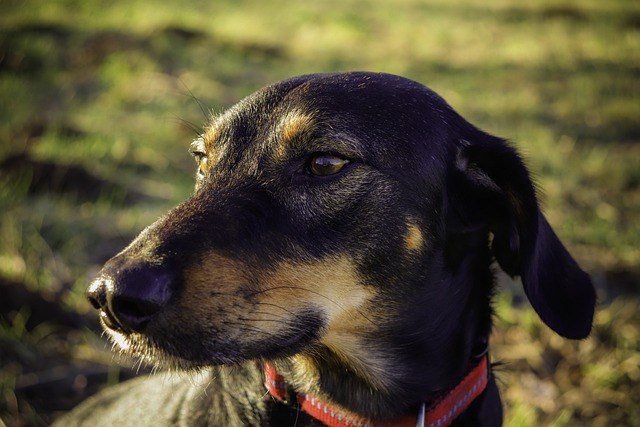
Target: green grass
118 89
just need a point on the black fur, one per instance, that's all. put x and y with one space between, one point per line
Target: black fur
370 286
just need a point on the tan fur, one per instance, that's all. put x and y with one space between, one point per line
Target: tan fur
330 285
414 239
210 137
293 125
333 285
280 293
212 282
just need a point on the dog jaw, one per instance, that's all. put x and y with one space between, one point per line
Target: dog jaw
231 312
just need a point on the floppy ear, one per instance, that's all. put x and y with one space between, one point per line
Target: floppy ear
492 192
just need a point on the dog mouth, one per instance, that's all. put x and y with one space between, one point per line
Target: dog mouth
185 350
109 322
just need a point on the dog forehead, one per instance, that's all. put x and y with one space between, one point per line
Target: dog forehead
384 118
380 97
378 105
394 122
368 94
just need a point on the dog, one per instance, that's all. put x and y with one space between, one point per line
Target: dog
335 266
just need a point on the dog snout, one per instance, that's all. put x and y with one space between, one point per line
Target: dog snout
129 298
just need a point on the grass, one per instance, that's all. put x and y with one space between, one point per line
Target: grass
101 99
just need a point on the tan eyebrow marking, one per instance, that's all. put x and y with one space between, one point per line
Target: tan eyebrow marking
291 126
295 124
211 147
209 136
414 239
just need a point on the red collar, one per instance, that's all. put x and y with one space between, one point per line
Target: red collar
439 414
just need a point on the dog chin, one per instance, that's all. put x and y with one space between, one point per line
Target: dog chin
150 353
163 351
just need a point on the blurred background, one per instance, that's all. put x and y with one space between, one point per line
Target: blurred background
99 101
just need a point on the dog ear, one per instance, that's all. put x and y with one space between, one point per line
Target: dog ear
491 191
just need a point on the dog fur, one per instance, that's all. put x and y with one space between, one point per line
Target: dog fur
343 227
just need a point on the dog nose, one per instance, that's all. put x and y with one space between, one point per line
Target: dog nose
129 298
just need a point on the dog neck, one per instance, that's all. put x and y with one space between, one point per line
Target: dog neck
441 412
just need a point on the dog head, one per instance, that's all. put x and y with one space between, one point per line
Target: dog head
340 223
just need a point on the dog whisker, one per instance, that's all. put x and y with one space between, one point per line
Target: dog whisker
197 130
274 317
275 306
249 328
302 289
195 98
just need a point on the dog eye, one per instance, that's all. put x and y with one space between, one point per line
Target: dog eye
324 164
197 150
203 165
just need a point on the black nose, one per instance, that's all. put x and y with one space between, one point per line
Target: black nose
128 298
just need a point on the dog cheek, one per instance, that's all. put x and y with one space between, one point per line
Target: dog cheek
237 306
414 240
215 291
329 285
333 288
319 204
